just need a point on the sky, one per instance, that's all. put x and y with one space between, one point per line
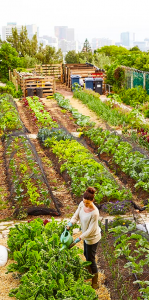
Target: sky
89 18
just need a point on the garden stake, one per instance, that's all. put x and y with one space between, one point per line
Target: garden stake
106 224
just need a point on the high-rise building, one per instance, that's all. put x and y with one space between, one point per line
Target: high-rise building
127 39
64 33
52 41
70 34
100 42
7 30
66 46
142 45
32 29
61 32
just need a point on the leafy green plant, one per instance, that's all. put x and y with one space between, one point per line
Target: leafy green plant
132 163
81 120
84 170
46 272
39 114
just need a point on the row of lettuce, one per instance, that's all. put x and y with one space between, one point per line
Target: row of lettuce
79 164
24 174
131 162
132 122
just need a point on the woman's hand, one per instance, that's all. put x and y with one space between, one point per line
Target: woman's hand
77 240
69 225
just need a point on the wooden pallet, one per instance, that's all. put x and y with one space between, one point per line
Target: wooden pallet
27 80
54 70
47 83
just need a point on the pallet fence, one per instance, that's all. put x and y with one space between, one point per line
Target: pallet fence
54 70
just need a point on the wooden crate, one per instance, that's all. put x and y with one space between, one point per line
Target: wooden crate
47 83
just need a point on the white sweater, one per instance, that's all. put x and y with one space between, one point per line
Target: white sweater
91 231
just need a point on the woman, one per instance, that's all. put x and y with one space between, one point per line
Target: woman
88 214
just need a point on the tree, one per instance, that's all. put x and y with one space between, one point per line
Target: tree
72 57
9 60
49 55
86 46
113 51
21 42
100 60
135 49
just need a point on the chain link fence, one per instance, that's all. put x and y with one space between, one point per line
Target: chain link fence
135 78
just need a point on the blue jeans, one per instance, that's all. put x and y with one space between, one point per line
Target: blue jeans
89 253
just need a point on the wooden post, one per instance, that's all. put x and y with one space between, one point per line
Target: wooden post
61 72
131 80
9 75
144 80
54 86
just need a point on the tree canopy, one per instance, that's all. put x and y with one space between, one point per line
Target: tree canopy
29 48
9 60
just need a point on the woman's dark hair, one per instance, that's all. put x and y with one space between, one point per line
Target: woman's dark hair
89 194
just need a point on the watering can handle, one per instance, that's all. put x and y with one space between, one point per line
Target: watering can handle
71 245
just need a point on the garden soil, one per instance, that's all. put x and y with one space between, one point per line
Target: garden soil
67 201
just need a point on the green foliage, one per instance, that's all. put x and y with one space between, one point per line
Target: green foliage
72 57
9 60
29 62
9 118
48 273
101 60
113 51
103 110
81 120
40 114
10 89
119 75
84 170
49 55
134 96
117 208
57 134
21 42
135 49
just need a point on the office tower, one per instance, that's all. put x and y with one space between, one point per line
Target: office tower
32 29
70 34
127 39
7 30
64 33
61 32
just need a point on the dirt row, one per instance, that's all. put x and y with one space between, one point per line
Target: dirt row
59 188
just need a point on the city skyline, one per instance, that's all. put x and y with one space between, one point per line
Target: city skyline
64 38
90 20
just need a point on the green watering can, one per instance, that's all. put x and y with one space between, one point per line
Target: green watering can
66 239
